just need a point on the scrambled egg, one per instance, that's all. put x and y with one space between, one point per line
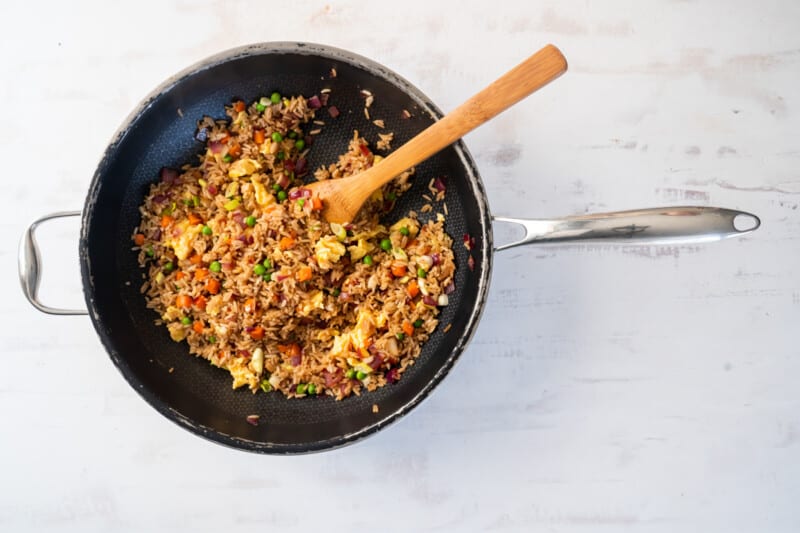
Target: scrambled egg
410 223
352 345
243 167
315 301
263 197
328 250
182 244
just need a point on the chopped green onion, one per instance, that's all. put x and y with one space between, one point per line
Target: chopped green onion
277 137
350 374
282 196
265 385
212 339
386 245
418 323
169 266
301 202
215 266
293 135
250 221
206 231
421 273
360 375
299 144
186 320
149 252
404 231
195 201
367 260
276 187
312 389
267 276
260 107
230 205
336 292
275 98
280 155
392 196
302 388
259 270
400 336
227 158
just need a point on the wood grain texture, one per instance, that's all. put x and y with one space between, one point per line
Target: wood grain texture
608 388
344 197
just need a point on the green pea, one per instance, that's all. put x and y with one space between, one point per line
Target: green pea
350 374
367 260
227 158
250 221
301 388
312 389
293 135
186 320
276 187
275 98
299 144
259 270
267 276
169 266
212 339
392 196
149 252
280 155
206 231
360 375
267 263
418 323
400 336
336 292
301 202
404 231
421 273
215 266
386 245
282 196
277 137
260 107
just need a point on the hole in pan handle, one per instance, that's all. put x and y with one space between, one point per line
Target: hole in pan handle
30 266
661 225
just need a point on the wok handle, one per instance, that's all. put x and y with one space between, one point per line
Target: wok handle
30 266
663 225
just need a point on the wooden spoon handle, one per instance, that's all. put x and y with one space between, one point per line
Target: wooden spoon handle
535 72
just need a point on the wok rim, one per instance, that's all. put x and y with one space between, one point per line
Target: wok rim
324 52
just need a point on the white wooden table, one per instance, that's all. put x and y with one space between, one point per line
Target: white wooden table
607 389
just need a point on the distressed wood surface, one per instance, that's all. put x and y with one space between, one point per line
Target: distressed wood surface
607 389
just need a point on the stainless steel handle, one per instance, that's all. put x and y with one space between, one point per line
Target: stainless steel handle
30 266
663 225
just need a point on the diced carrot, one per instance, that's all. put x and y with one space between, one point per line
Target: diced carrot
285 243
166 220
200 302
225 138
408 328
212 286
194 219
238 106
250 305
196 259
183 300
412 289
412 243
304 274
198 326
200 274
316 203
289 349
398 269
235 150
259 136
179 275
138 239
257 333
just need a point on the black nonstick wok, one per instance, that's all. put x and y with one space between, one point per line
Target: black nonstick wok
160 132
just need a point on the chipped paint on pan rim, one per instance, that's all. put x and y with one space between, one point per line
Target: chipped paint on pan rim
105 333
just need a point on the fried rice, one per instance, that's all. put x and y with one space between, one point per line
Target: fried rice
241 265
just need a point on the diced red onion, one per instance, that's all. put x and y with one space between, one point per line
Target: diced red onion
300 165
450 288
314 102
429 300
156 234
248 329
227 266
244 353
344 296
349 227
377 361
471 263
250 239
332 378
469 241
436 258
309 139
365 150
323 98
372 349
289 165
168 175
280 277
176 231
306 193
242 238
295 360
216 147
159 198
392 375
294 194
439 184
283 181
212 189
333 111
252 419
238 217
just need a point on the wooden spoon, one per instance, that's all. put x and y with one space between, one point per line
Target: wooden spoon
342 198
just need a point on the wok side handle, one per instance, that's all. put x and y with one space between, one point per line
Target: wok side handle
29 261
663 225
